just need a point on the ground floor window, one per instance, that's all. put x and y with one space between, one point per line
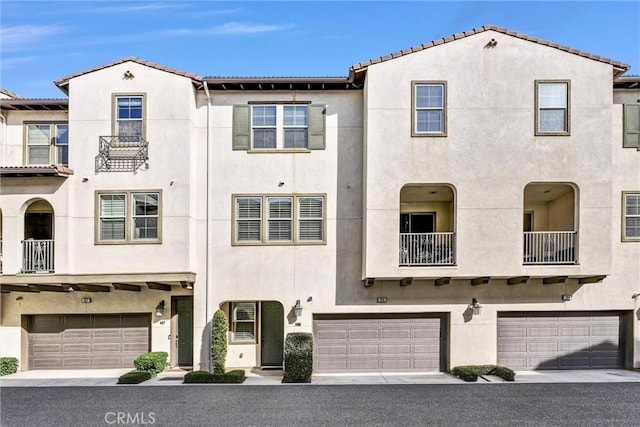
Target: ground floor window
243 324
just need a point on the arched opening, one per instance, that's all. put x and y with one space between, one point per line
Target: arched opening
427 225
1 240
550 223
37 246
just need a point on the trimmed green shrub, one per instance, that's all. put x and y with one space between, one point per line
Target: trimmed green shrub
470 373
203 377
219 328
135 377
154 362
298 358
8 365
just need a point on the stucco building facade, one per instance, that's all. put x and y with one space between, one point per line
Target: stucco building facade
471 200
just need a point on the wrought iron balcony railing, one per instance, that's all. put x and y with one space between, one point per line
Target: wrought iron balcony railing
550 247
425 249
122 154
37 256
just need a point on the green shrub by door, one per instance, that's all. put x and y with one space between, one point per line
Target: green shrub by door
8 365
219 330
298 358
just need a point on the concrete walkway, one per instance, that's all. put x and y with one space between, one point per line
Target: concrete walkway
109 377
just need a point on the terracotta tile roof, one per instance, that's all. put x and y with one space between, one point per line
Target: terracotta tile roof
9 93
65 80
33 104
35 170
361 66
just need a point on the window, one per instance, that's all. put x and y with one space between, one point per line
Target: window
631 126
552 107
287 219
129 118
631 216
243 321
128 217
429 109
41 137
279 126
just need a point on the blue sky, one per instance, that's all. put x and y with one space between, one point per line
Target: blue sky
41 41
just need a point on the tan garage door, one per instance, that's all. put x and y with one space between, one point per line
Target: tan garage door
583 340
392 343
81 341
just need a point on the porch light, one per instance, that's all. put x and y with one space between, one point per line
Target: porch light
476 306
297 309
160 309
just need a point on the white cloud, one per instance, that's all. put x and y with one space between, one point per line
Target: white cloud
18 60
230 28
19 37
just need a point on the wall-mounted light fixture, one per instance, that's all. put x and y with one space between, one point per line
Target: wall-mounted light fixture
160 309
297 309
566 297
476 307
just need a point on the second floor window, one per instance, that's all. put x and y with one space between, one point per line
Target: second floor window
128 217
552 108
48 143
279 126
631 216
279 219
429 109
129 117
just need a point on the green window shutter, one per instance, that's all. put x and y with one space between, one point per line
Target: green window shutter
316 126
631 138
241 127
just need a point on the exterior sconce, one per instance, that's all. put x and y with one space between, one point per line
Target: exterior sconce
160 309
476 306
297 309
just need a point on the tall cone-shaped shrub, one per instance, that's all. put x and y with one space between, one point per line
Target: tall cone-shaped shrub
219 328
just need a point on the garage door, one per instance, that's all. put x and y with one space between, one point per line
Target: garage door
530 341
87 341
381 344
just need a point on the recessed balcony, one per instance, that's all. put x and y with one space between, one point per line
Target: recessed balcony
37 256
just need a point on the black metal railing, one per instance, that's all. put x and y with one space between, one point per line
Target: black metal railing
122 153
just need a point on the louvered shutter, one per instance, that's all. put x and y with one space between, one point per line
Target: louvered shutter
241 127
631 137
280 218
248 219
317 127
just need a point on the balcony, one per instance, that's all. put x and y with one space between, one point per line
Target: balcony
427 249
550 247
122 154
37 256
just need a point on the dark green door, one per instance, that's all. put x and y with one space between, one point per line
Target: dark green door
184 314
272 333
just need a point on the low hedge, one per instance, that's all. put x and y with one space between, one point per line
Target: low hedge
298 357
8 365
135 377
154 362
470 373
203 377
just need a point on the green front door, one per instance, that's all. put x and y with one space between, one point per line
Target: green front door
184 339
272 334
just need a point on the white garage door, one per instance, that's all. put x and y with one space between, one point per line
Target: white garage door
583 340
392 343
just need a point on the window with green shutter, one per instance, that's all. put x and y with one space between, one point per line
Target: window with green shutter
631 137
279 126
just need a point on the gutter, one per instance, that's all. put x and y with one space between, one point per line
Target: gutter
207 308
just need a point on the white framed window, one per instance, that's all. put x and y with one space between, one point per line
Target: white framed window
279 126
429 109
47 143
552 107
279 219
129 117
243 323
125 217
631 216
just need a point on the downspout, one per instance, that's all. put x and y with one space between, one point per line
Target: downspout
3 123
207 308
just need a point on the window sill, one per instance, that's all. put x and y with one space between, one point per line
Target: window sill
127 242
428 135
552 134
278 151
319 243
